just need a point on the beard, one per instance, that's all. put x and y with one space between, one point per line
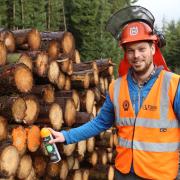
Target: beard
141 71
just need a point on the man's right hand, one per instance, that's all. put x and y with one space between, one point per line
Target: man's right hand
58 136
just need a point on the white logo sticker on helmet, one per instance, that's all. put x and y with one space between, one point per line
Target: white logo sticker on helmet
134 31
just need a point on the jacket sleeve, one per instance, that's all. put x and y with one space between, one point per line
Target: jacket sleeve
104 120
177 102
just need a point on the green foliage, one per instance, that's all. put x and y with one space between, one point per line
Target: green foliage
172 50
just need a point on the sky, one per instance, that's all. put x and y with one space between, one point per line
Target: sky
168 9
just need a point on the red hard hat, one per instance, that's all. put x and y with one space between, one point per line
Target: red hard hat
136 31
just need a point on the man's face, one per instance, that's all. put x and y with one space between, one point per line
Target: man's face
140 56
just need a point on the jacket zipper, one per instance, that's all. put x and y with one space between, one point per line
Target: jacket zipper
139 105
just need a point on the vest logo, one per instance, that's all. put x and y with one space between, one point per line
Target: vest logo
163 129
126 105
134 31
148 107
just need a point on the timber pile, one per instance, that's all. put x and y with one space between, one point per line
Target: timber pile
44 83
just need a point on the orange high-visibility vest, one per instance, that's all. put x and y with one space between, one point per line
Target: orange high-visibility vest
151 139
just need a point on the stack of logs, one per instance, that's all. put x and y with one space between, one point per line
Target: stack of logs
43 83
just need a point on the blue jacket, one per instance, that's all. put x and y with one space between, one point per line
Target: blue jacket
105 119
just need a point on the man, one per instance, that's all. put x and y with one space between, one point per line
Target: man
144 104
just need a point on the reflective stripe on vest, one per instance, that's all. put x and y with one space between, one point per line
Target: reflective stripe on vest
163 122
153 147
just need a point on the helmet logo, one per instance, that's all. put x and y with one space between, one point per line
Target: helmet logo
133 30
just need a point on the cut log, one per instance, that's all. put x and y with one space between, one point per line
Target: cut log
53 50
26 59
67 85
51 114
24 167
53 170
3 54
45 92
33 138
83 117
27 36
105 139
70 113
87 100
12 107
81 147
8 39
70 160
9 161
80 80
85 174
75 174
42 64
90 144
3 128
68 43
76 57
56 116
34 39
102 156
89 65
63 169
53 72
104 64
39 164
76 163
102 172
32 175
19 139
65 39
61 80
19 109
69 149
32 110
15 76
91 159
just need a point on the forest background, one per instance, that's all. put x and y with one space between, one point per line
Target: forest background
86 20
